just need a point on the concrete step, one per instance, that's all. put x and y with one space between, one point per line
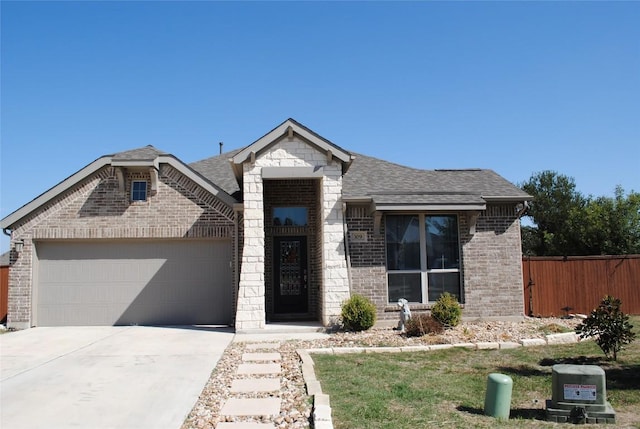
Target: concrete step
254 357
262 346
259 368
251 407
245 425
286 328
249 385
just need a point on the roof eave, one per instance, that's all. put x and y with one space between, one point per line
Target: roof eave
290 127
506 198
58 189
357 200
104 161
429 207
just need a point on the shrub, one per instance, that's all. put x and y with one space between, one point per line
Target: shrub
422 324
609 325
447 310
358 313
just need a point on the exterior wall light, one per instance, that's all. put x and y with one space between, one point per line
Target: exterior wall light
18 245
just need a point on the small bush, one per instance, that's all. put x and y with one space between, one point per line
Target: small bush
422 324
358 313
447 310
609 325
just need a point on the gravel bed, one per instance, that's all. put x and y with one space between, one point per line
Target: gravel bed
296 405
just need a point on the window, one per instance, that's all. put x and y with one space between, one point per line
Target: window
443 259
290 216
423 258
139 190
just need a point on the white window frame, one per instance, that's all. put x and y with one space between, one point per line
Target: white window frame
424 270
146 190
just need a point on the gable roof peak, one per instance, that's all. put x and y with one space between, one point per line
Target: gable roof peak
148 152
288 129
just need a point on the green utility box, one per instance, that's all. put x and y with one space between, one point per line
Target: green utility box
497 401
579 395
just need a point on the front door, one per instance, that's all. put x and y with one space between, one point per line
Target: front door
290 275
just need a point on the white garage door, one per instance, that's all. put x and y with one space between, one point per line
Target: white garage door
180 282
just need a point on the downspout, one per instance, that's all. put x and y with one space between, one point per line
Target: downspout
530 285
236 263
346 243
521 212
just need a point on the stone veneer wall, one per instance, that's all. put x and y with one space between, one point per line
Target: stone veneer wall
251 311
491 264
97 209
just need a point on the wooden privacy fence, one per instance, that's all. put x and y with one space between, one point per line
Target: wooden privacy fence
554 286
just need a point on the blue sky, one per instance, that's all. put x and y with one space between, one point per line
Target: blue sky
517 87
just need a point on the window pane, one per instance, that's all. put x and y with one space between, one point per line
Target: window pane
405 285
442 242
403 242
443 282
139 191
290 216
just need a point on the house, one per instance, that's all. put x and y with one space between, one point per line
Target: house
283 229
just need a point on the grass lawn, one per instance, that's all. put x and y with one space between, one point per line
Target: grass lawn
446 388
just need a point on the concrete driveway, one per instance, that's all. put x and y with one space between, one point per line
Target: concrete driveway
105 377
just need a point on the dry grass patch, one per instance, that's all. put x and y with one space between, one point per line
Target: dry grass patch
446 388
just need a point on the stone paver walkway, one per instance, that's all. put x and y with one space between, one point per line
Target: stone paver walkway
258 374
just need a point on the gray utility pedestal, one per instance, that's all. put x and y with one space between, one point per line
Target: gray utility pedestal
579 395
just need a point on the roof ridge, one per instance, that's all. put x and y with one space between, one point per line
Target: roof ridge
143 152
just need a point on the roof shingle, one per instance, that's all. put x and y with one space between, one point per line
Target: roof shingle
218 170
389 183
143 153
369 177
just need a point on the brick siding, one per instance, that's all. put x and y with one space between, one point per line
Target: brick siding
491 272
96 208
368 263
492 261
293 193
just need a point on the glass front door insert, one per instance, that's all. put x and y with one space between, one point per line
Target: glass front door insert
290 275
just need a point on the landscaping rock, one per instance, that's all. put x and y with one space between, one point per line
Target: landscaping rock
296 409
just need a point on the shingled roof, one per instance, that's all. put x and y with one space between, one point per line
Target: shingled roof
146 152
386 183
144 157
218 170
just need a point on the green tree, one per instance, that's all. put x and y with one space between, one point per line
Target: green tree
610 226
530 240
555 199
567 223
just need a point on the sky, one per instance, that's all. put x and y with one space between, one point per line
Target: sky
517 87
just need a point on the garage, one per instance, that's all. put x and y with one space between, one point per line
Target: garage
133 282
